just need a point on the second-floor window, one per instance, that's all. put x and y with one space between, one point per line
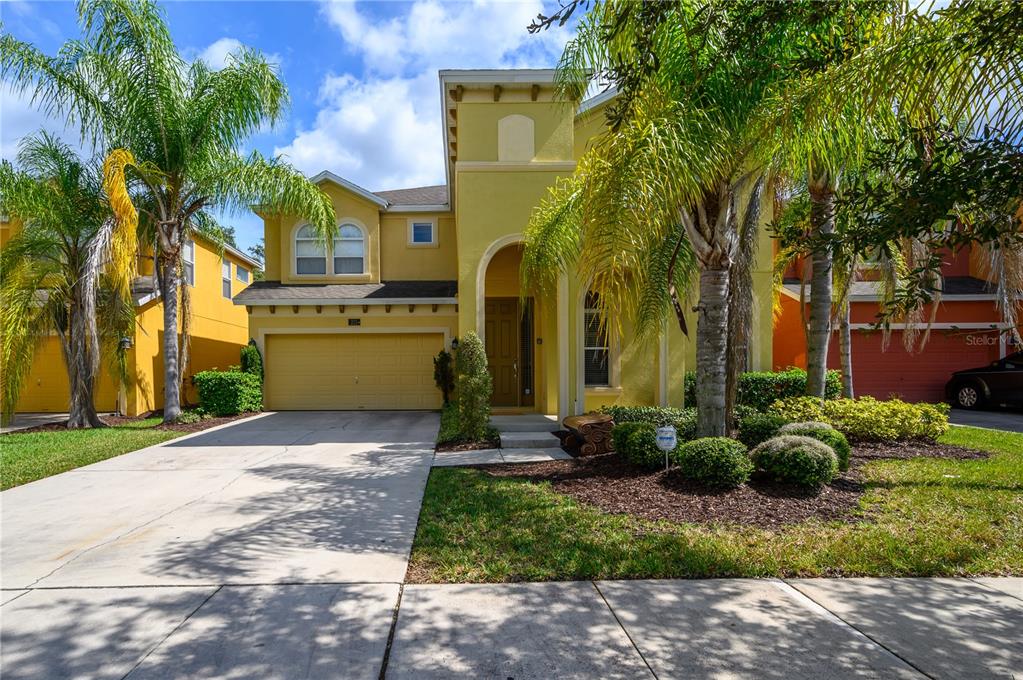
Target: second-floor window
310 255
597 350
225 279
349 250
242 273
188 262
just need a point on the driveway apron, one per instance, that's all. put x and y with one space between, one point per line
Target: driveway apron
289 531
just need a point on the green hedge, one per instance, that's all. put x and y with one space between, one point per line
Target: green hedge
228 393
760 389
868 419
682 419
757 428
715 461
637 443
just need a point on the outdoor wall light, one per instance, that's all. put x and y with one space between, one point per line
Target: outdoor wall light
454 344
124 344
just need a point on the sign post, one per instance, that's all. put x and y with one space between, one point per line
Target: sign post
667 439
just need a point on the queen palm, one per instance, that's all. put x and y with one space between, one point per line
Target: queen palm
182 127
685 157
66 272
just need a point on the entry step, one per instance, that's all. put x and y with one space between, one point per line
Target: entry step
529 440
526 423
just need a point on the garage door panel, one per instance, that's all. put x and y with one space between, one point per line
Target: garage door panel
352 371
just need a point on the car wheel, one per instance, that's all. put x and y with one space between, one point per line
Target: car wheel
969 395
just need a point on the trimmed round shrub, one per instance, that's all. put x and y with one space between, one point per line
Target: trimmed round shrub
801 460
620 434
639 446
715 461
759 427
825 434
804 427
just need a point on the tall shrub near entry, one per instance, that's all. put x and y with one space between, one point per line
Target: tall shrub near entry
444 375
252 360
474 386
228 393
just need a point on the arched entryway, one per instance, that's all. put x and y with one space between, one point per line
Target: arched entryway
508 324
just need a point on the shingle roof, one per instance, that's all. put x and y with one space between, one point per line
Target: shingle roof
951 285
269 292
432 195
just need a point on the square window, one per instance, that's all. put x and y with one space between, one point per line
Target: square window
242 274
422 232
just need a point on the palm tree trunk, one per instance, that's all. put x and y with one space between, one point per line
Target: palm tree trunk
845 349
822 222
80 362
712 352
171 368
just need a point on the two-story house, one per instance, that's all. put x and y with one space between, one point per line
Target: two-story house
354 324
219 329
966 331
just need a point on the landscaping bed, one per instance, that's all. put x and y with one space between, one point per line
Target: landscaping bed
953 508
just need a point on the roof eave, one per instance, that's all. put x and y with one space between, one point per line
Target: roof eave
328 176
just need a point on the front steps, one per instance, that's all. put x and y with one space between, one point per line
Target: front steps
529 431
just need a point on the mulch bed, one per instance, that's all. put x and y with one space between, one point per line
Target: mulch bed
469 446
616 486
124 420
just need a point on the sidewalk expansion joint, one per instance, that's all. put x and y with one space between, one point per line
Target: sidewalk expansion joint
624 630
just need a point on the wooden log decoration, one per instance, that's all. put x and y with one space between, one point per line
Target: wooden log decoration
592 433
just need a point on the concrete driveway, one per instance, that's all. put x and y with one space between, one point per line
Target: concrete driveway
1008 420
291 532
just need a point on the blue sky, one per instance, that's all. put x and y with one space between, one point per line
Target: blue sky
362 75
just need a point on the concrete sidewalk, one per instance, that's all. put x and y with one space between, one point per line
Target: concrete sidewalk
727 628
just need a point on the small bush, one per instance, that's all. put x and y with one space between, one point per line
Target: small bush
759 427
801 460
228 393
252 361
682 419
760 389
448 431
825 434
474 388
715 461
192 415
639 445
868 419
621 432
444 374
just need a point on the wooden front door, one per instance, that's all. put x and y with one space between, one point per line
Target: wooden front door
502 340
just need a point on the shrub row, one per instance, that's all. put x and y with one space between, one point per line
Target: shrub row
867 419
714 461
760 389
682 419
228 393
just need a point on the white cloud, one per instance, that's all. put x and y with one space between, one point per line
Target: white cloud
215 55
383 130
19 117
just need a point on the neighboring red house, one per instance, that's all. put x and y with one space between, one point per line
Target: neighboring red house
967 332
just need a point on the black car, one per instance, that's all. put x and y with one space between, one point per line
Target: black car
1001 382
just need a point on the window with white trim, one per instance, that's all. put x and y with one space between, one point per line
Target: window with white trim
349 250
421 233
225 279
241 273
310 253
596 348
188 262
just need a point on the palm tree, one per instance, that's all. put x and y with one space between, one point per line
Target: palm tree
50 272
684 156
182 127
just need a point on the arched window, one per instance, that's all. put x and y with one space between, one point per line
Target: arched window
310 253
349 250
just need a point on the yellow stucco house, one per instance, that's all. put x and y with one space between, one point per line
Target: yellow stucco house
219 330
355 324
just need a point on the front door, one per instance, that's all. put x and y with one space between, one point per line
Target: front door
502 339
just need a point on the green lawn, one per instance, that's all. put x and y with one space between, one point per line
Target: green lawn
924 517
27 457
